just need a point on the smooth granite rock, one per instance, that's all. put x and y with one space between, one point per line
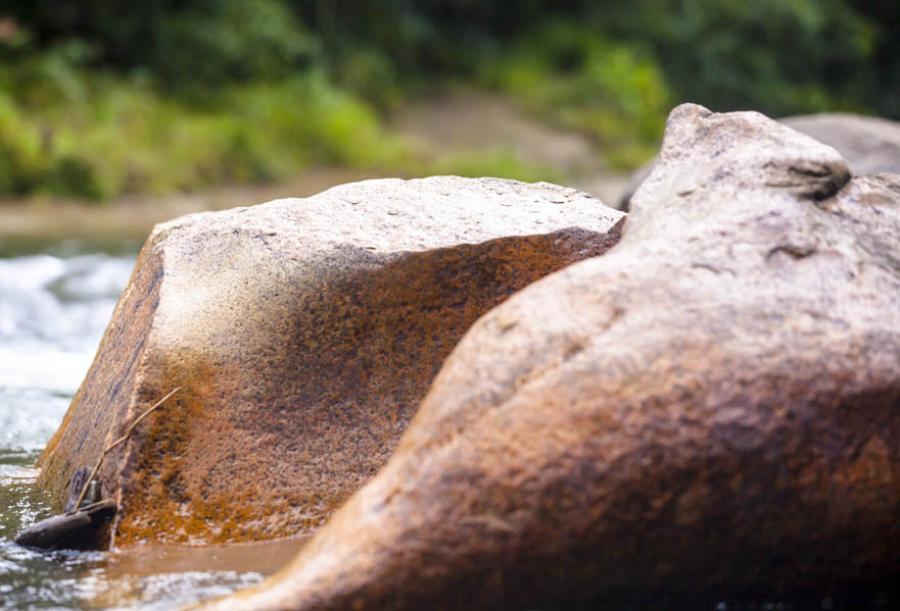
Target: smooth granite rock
708 412
869 145
304 333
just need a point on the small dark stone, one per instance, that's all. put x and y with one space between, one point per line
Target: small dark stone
85 529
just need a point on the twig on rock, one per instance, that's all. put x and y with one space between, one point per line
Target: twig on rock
118 441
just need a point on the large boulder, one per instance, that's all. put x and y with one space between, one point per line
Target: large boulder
303 334
708 412
869 145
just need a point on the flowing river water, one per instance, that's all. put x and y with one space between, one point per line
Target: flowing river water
54 307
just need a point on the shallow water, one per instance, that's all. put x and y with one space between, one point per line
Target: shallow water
53 310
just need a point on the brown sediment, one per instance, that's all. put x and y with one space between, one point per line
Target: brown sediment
125 568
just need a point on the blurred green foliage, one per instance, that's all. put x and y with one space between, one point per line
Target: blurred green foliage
100 98
608 89
126 138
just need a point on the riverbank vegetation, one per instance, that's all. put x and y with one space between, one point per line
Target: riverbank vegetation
100 99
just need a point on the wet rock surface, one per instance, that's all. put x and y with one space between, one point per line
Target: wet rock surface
303 333
709 411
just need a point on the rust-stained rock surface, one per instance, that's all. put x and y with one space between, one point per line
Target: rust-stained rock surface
303 332
708 412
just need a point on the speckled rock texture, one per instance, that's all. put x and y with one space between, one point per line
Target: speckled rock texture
304 333
869 145
708 412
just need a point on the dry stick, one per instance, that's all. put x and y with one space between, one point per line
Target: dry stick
121 439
